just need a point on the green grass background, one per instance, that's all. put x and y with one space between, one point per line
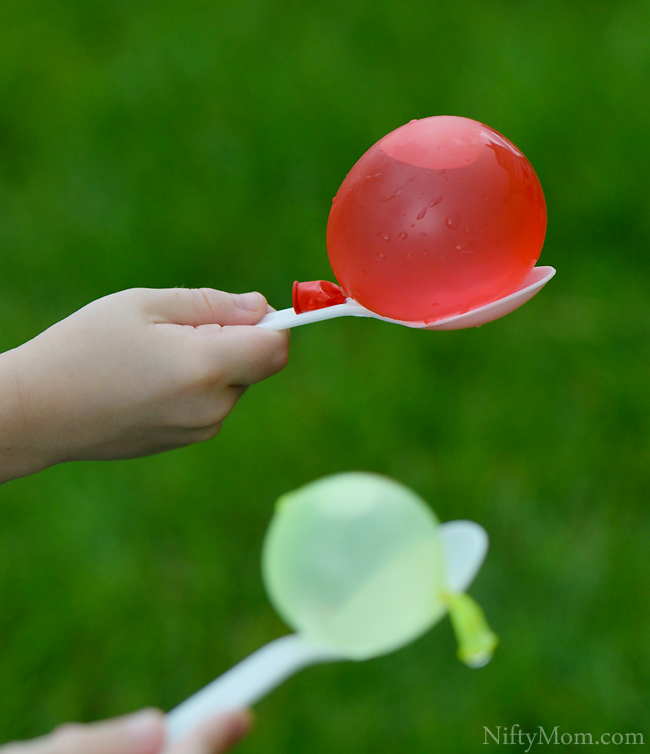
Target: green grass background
200 143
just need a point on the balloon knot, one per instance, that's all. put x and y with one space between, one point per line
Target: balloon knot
316 294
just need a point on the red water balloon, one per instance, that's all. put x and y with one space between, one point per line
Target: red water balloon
440 216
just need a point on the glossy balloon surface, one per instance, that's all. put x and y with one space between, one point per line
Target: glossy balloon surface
440 216
355 561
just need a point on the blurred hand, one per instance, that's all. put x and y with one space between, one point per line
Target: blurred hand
135 373
142 733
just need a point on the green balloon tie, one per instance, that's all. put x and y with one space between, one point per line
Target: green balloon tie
476 642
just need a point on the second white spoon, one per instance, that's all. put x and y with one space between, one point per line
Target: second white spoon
464 546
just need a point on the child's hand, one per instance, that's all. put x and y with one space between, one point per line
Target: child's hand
131 374
142 733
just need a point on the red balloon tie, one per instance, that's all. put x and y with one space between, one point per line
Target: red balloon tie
316 294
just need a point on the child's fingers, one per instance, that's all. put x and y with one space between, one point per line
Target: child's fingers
243 355
203 306
215 736
142 733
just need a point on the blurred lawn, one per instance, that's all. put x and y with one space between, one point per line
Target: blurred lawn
164 144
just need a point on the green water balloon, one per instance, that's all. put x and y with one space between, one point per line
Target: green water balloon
354 561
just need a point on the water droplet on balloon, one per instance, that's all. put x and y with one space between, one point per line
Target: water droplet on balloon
380 255
377 176
465 248
403 236
384 236
422 214
452 221
392 196
434 201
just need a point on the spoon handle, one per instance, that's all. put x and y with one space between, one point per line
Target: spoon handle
286 318
247 682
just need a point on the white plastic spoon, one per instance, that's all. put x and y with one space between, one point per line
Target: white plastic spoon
393 535
534 282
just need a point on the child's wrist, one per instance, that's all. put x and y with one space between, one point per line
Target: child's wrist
19 455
